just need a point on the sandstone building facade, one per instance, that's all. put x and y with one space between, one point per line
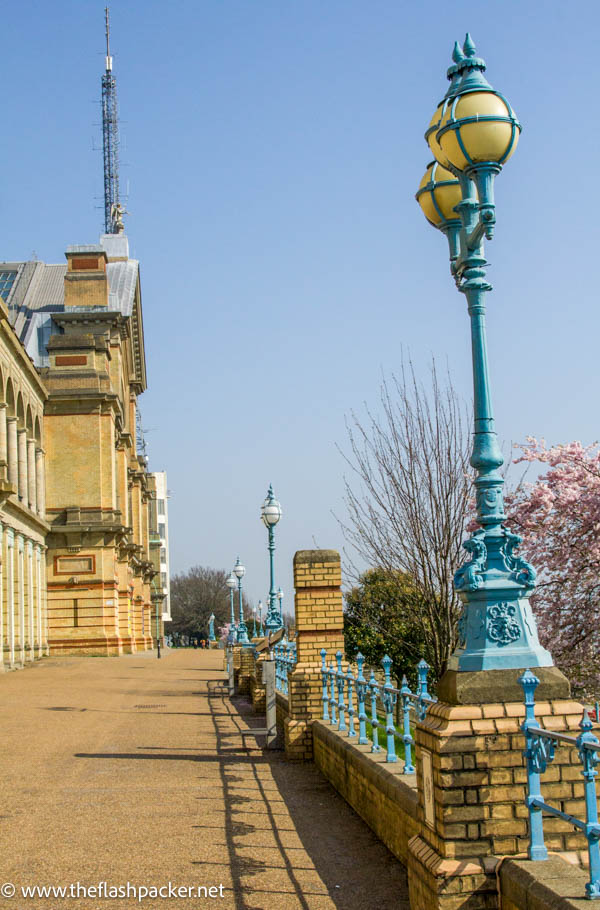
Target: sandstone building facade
76 496
23 524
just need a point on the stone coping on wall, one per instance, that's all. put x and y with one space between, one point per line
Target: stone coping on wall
379 791
552 884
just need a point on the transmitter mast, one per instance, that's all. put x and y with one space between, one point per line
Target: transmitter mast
113 210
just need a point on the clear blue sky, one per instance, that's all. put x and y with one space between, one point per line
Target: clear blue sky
272 151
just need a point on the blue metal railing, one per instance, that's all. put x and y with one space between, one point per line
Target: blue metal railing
285 661
336 704
540 745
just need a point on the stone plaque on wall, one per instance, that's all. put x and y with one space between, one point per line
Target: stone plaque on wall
428 802
74 565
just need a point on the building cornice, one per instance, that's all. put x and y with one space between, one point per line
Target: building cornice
12 340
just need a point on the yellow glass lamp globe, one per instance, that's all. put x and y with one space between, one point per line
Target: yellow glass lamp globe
439 192
478 127
454 74
431 134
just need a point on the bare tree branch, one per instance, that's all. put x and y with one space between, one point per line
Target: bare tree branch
408 493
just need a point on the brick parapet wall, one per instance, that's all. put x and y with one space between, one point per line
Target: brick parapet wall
380 793
526 885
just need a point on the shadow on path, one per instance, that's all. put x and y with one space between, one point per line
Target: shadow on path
275 832
322 852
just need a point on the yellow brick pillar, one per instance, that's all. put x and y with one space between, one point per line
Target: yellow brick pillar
246 671
258 691
319 624
237 657
471 780
237 663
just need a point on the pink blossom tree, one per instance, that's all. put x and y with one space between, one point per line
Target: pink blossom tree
224 632
558 517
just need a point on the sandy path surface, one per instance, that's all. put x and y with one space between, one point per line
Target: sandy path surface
132 770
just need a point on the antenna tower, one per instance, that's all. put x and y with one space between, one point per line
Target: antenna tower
113 210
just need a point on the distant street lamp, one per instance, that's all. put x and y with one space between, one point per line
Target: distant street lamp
157 634
270 514
158 599
280 599
211 627
242 630
232 584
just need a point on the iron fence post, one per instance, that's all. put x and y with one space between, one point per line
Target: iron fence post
374 722
351 712
407 739
324 697
589 759
340 688
537 848
389 700
361 691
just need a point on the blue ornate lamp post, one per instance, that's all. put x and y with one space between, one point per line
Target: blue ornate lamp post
211 627
270 514
232 584
242 630
261 631
472 134
253 622
280 599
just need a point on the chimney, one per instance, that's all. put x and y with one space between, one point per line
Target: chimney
86 281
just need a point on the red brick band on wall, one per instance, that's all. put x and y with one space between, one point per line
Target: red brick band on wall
85 264
71 360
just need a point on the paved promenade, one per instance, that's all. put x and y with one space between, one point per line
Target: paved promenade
133 770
